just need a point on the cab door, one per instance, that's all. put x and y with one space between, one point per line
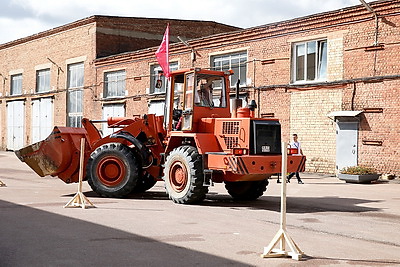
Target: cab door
189 92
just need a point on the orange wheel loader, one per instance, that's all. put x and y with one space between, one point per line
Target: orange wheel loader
197 142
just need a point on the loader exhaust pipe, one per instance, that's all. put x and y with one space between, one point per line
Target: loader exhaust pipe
237 103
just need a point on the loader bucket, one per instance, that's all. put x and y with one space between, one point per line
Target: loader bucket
57 155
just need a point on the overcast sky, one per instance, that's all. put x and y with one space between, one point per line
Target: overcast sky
21 18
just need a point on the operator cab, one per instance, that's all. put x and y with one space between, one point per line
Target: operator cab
197 94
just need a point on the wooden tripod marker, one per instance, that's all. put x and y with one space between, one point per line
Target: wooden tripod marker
80 200
282 235
2 184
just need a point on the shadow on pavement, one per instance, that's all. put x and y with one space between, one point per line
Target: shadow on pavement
31 237
271 203
296 204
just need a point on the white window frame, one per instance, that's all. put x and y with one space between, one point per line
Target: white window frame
155 74
16 84
75 92
43 80
311 70
114 84
224 62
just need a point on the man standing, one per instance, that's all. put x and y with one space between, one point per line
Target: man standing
296 144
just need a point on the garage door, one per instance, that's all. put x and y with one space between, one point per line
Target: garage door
15 124
42 118
112 110
157 107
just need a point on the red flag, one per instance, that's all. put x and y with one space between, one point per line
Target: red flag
162 53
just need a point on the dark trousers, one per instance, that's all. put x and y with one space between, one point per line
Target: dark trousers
292 174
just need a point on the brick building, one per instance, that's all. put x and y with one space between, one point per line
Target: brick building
49 78
333 78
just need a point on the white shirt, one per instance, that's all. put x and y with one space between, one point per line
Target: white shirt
298 146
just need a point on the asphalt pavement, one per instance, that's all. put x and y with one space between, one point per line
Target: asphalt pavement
333 222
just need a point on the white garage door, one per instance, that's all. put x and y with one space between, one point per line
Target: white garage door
112 110
157 107
42 118
15 125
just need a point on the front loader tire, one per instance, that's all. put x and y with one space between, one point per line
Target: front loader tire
183 176
246 190
112 170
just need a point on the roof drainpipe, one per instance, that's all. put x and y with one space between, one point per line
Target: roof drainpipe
368 7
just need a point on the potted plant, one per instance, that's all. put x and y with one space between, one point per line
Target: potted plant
358 174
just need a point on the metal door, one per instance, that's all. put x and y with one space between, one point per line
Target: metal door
346 144
42 118
112 110
15 125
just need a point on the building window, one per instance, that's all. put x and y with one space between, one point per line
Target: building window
114 84
43 80
16 84
310 61
158 82
235 62
75 94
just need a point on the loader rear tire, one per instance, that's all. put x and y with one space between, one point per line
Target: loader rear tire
246 190
183 176
112 170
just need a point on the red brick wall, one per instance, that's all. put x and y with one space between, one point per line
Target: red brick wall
381 126
59 48
361 63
